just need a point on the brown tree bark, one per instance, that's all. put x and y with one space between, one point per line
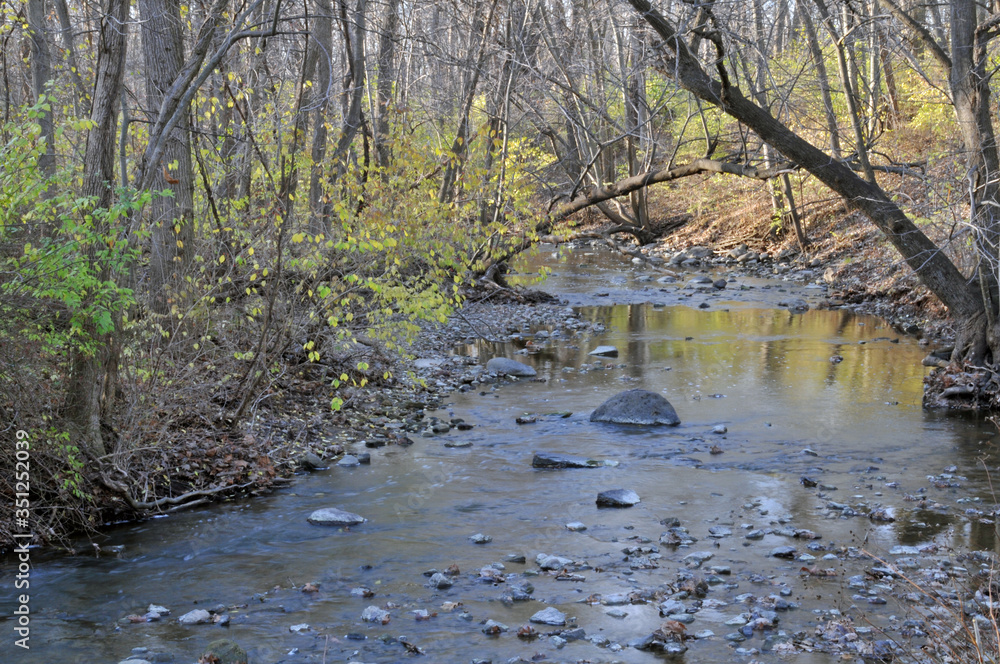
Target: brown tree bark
89 366
172 239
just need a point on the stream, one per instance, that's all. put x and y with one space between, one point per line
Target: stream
854 428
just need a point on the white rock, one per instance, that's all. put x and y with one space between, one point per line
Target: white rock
196 617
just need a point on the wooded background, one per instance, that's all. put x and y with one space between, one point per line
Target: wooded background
199 200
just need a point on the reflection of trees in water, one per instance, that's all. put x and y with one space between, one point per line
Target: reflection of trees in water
766 350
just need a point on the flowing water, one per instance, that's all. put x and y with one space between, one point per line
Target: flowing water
759 370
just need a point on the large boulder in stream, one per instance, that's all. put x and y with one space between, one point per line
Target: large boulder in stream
636 407
504 366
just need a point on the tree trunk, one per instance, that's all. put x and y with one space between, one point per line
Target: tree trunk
824 81
386 79
66 28
89 365
172 241
970 94
323 39
460 145
41 74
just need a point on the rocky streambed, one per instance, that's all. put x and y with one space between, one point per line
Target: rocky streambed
804 504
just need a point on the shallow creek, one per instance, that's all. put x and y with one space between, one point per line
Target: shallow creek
764 373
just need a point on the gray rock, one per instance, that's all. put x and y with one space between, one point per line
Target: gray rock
332 516
549 616
374 614
492 627
617 498
349 461
697 558
480 538
552 460
720 429
440 581
548 562
605 351
783 552
196 617
506 366
671 606
636 407
576 526
310 461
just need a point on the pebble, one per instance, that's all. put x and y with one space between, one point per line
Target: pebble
576 526
480 538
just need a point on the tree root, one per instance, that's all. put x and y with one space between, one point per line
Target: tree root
197 497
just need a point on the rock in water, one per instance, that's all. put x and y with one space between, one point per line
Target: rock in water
605 351
617 498
552 460
549 616
331 516
374 614
636 407
224 651
509 367
196 617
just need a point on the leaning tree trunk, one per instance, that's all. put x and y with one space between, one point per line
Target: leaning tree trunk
932 266
90 361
